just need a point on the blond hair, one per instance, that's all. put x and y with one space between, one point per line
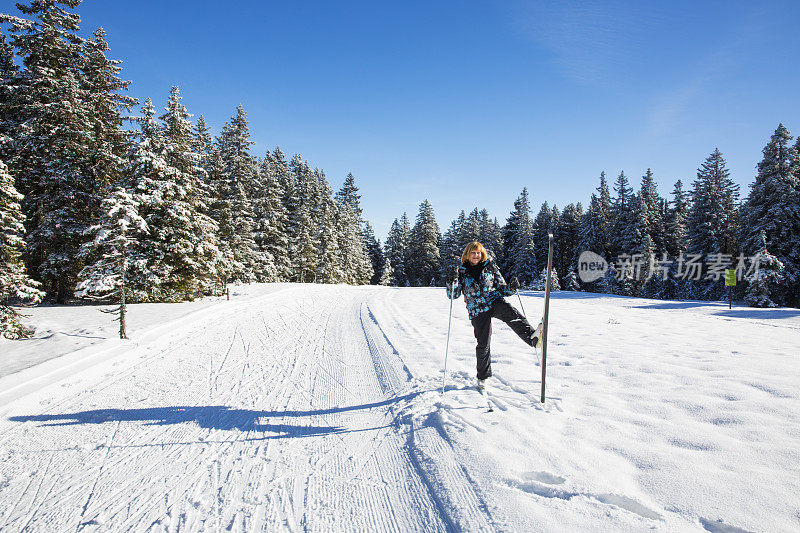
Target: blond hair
471 247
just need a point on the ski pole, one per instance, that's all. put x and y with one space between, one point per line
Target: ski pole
449 321
521 306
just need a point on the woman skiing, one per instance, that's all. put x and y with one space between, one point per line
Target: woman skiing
483 286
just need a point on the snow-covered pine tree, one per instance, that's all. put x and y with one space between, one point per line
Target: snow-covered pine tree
772 208
472 228
14 280
331 267
712 220
571 282
424 248
597 221
555 282
356 260
202 260
304 248
568 236
239 174
519 240
374 252
397 250
764 283
450 247
387 274
271 217
299 207
676 221
510 232
595 227
202 142
491 235
652 215
523 254
113 253
348 194
542 225
108 143
51 133
359 265
623 238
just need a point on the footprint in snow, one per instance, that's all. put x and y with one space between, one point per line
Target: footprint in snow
544 484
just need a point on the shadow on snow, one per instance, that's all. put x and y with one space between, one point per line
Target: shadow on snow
217 417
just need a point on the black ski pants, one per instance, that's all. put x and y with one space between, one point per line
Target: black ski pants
482 324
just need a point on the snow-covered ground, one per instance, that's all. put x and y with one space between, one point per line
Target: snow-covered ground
308 407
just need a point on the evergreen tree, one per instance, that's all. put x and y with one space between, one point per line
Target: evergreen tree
519 238
451 246
595 226
108 143
348 195
14 280
543 225
184 259
240 184
360 264
568 237
387 274
571 282
305 248
113 253
676 221
555 283
424 248
772 208
202 142
622 236
765 282
375 253
491 235
331 258
272 221
712 221
51 136
652 215
397 250
357 265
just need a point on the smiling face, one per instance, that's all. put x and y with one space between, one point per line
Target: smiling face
475 257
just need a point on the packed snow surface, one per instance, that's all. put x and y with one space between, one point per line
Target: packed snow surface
312 407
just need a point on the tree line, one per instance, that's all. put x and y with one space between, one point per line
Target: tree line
662 239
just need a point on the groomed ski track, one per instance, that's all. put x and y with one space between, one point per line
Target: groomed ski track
276 413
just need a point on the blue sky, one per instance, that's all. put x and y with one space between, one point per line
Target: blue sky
465 103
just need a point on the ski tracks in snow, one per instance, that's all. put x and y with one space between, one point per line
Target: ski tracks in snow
285 412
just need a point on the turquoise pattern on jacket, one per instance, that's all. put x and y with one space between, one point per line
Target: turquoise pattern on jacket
479 295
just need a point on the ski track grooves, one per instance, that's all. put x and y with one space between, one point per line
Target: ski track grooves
270 414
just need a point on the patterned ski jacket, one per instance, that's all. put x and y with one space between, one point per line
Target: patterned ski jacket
480 293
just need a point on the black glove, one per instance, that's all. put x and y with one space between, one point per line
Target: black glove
514 285
454 274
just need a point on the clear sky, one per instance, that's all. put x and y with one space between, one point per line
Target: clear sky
465 103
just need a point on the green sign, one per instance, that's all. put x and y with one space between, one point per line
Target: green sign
730 277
